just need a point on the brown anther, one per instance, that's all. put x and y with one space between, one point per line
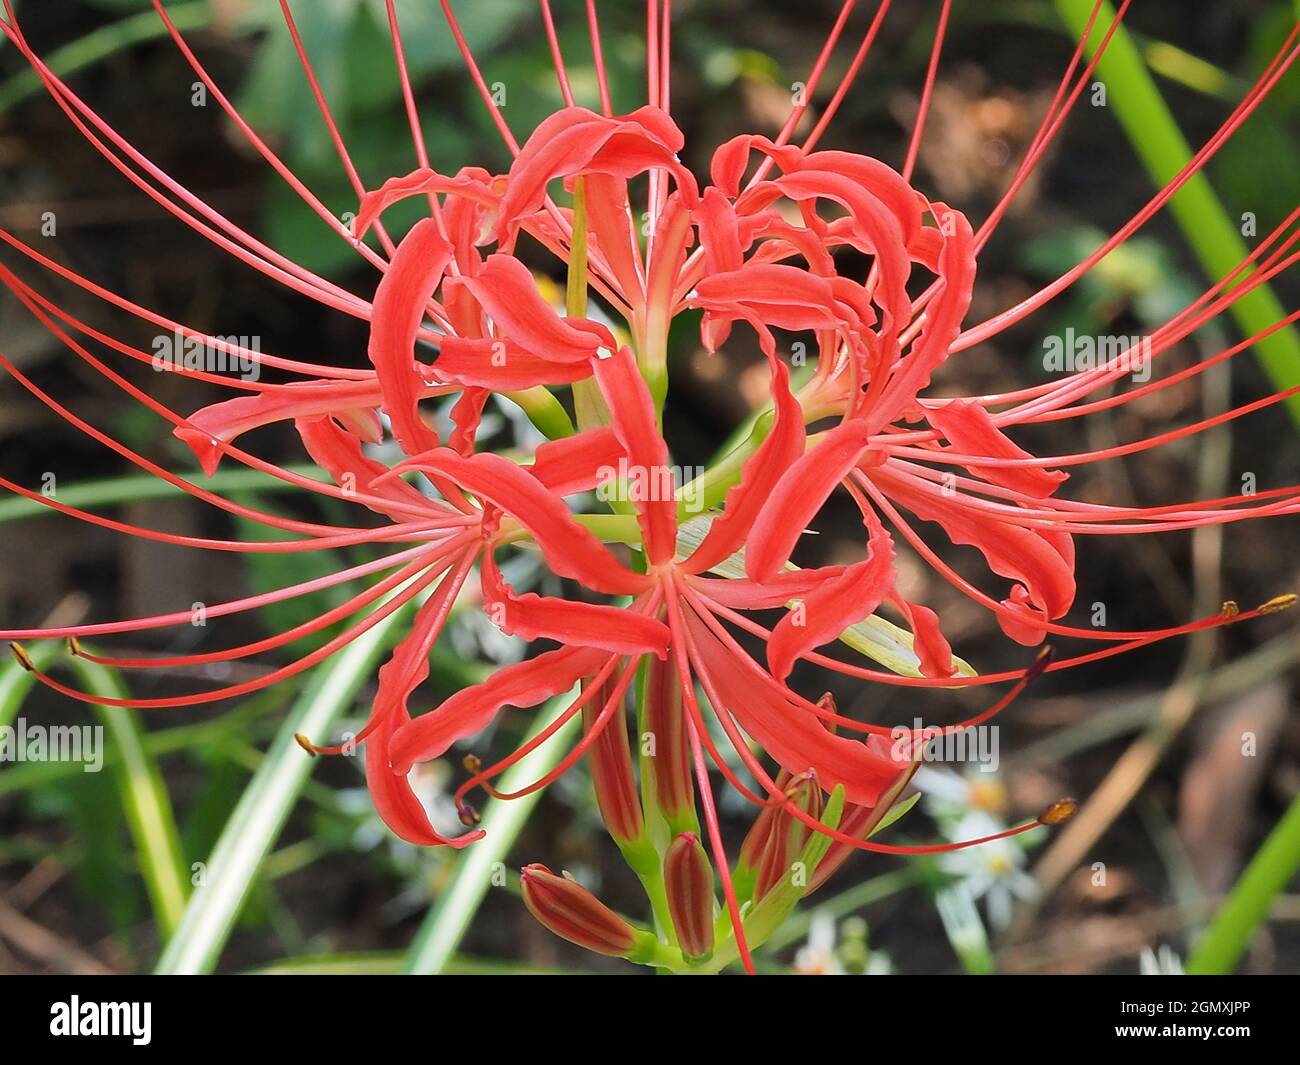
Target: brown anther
1277 604
1041 661
21 654
472 763
469 816
74 646
1230 609
306 744
1060 811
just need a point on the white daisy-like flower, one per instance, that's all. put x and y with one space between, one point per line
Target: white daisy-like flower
950 795
994 871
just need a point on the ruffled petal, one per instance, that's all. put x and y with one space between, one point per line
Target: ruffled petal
507 292
338 451
575 140
472 709
578 463
467 184
758 477
569 549
572 623
209 427
500 365
1041 563
634 422
799 495
406 670
835 604
777 591
791 735
412 277
928 642
971 431
943 318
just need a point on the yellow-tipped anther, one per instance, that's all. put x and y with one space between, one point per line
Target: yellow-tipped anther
472 763
1277 604
24 659
1060 811
1230 609
74 646
305 744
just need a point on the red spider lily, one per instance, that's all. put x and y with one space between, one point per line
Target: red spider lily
453 285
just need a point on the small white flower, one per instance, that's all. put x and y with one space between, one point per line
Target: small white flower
1162 962
991 871
817 956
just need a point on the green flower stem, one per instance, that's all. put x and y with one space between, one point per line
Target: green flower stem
102 43
449 918
1246 906
148 808
114 490
652 357
545 411
1216 240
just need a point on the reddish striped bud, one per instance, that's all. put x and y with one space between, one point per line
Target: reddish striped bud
688 878
572 912
861 821
610 758
665 748
777 837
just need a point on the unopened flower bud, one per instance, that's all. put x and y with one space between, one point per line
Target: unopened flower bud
572 912
610 758
688 878
777 837
666 751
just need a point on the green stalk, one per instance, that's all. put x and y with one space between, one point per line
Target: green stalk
545 411
133 489
1216 240
1246 906
449 918
100 44
266 803
145 801
140 787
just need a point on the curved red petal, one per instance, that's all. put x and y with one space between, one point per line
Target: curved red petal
634 421
798 497
569 549
575 624
971 431
471 709
412 277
